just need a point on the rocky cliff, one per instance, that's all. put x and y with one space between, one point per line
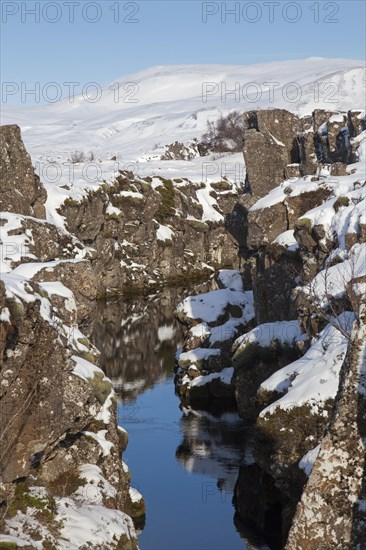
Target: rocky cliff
21 189
142 232
61 465
295 364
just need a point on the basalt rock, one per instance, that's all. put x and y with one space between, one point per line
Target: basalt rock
279 145
21 190
273 287
331 513
181 151
270 144
51 418
121 222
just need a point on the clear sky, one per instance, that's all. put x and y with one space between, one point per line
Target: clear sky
85 41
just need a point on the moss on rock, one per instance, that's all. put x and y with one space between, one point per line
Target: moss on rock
23 499
166 208
305 224
341 201
102 387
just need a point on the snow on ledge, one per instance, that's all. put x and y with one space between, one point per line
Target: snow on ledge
314 378
307 462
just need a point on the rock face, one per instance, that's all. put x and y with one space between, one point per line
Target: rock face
145 232
181 151
336 486
300 235
60 445
279 145
51 406
212 321
58 419
270 144
21 189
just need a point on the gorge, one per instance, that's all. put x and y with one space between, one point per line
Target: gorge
218 314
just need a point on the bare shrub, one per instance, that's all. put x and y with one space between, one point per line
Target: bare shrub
77 156
224 135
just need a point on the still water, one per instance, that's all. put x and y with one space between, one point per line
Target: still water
184 462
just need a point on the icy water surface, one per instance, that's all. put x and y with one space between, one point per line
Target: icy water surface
184 462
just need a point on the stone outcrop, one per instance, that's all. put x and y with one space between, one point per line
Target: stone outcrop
21 190
60 445
331 513
286 245
121 222
270 144
54 421
181 151
279 145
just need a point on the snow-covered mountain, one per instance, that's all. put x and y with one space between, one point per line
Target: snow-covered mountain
139 113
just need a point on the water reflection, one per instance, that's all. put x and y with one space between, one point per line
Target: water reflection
184 461
212 445
138 337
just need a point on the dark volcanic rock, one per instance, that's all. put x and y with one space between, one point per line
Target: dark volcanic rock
21 189
270 144
37 409
128 253
331 513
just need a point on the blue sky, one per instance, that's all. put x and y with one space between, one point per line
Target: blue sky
130 36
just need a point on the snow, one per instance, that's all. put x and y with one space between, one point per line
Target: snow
224 376
314 378
14 247
210 306
128 130
164 233
96 486
113 210
5 315
90 525
287 240
285 332
209 212
307 462
200 331
231 279
84 369
135 495
105 413
230 329
29 270
15 540
59 289
99 437
196 355
338 117
132 194
277 141
332 281
125 467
